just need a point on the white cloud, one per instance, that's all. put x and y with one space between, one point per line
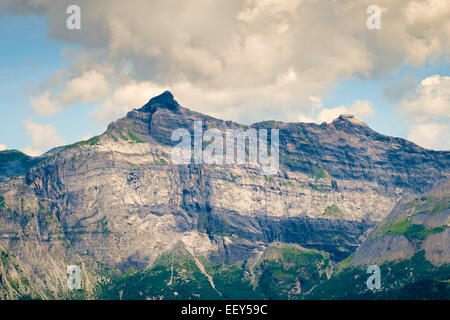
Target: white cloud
129 96
430 98
361 109
316 101
430 135
228 104
3 147
328 115
428 26
304 118
252 58
427 109
90 86
43 138
45 104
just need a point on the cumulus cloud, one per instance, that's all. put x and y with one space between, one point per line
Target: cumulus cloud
267 102
316 101
46 103
90 86
361 109
126 97
427 108
43 138
430 98
248 57
430 135
3 147
428 26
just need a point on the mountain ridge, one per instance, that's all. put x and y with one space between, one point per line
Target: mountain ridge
116 202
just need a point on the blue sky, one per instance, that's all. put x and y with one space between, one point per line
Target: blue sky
29 58
387 120
127 67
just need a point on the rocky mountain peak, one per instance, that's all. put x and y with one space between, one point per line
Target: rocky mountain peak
164 100
349 118
118 201
346 117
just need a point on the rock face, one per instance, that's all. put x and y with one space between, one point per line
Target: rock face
410 247
118 201
420 223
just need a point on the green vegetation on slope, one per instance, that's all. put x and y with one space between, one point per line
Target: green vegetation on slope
233 281
13 155
429 204
90 142
289 272
408 279
95 140
441 206
174 275
134 137
318 173
271 123
14 163
163 161
121 135
401 223
282 272
332 210
14 283
413 231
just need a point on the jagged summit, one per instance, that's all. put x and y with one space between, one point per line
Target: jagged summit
165 99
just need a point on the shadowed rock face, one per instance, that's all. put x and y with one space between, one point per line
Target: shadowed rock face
117 199
14 163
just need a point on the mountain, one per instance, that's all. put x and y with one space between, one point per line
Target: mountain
411 247
14 163
121 209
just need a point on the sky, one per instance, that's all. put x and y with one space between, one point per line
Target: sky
241 60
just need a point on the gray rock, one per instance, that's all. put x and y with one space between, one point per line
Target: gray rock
118 201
